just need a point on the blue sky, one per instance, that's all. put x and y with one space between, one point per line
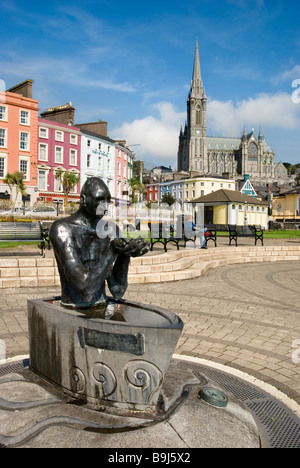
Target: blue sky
130 63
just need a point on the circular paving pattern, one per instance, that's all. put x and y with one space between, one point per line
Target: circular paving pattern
244 316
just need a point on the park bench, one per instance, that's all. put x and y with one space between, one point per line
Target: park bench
211 234
256 231
25 232
160 234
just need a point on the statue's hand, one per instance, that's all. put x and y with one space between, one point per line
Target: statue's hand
131 247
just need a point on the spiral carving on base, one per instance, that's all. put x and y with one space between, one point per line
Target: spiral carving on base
143 380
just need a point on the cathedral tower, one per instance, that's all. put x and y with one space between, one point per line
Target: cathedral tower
192 152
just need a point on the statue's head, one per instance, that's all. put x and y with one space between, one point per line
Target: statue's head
95 197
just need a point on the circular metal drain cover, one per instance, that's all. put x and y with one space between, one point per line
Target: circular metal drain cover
214 397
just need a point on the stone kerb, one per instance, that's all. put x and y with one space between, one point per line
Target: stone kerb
165 267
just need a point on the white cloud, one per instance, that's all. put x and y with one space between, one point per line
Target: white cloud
288 75
157 136
265 110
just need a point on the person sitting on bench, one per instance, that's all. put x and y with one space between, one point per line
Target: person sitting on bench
191 230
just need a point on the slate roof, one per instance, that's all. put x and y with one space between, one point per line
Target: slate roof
225 144
228 196
293 191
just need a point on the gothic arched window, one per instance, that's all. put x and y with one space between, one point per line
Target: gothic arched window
252 152
252 148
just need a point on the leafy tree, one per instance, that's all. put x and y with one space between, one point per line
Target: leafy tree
68 181
15 179
137 189
167 198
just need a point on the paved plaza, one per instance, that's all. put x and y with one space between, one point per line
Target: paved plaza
246 317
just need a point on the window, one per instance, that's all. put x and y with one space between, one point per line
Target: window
42 180
73 157
43 132
88 160
57 185
100 163
24 141
108 165
88 143
3 138
59 136
2 167
59 154
43 152
73 139
119 169
3 113
24 117
252 149
24 168
100 146
124 171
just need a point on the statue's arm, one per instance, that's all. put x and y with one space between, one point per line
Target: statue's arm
117 281
125 248
85 281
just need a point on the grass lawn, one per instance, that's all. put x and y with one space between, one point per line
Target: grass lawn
15 245
289 234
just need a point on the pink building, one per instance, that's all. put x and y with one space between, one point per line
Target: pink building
18 136
123 168
59 147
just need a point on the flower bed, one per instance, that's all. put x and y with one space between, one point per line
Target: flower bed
11 219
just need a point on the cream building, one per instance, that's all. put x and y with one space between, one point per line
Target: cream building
203 185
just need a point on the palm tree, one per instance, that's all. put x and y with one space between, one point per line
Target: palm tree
137 189
15 179
68 181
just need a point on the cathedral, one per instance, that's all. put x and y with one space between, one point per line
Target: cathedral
215 156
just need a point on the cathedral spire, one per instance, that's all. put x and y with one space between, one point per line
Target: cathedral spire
197 85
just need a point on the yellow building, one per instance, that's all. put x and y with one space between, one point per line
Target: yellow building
225 207
286 206
201 186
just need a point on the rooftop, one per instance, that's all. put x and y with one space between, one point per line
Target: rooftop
228 196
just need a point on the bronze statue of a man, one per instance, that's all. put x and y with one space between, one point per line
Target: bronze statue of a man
86 257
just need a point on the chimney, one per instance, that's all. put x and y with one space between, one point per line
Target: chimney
61 114
24 88
100 128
